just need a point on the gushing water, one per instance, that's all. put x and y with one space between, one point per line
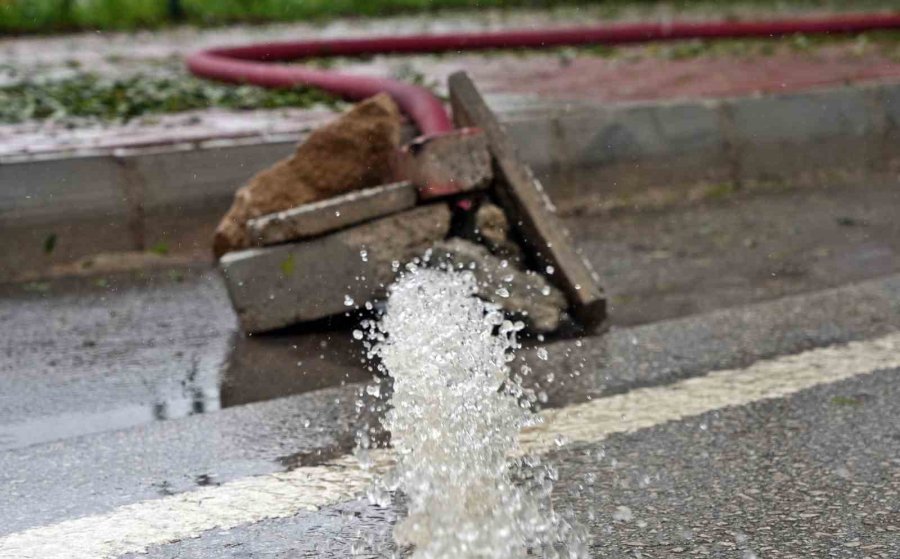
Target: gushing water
454 422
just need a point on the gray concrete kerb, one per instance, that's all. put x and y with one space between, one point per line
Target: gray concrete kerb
831 134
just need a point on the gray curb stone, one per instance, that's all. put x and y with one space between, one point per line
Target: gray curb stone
175 194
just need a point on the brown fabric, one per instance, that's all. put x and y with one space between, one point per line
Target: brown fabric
351 153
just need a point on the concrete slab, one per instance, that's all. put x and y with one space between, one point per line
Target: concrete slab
278 286
331 214
447 164
530 209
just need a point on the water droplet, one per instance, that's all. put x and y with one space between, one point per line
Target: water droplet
348 301
449 354
542 354
550 270
623 514
545 290
357 335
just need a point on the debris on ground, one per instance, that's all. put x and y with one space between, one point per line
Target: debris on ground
520 293
336 223
492 230
353 152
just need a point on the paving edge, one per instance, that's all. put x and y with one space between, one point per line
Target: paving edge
834 135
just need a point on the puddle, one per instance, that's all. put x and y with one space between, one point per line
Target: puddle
69 425
255 369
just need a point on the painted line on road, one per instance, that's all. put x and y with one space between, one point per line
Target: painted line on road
134 528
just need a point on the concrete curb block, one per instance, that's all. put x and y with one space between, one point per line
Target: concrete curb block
831 135
173 194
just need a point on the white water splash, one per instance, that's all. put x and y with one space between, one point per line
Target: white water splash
454 421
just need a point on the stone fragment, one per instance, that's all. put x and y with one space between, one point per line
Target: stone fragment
274 287
447 164
519 293
325 216
492 227
355 151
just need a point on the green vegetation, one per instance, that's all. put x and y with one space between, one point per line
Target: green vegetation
847 401
120 99
161 248
50 243
56 15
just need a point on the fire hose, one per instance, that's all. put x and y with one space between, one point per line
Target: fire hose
253 64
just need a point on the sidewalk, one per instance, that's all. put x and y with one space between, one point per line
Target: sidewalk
680 70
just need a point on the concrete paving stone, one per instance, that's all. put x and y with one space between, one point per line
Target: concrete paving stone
278 286
177 177
890 102
338 212
72 187
447 164
687 127
828 136
802 117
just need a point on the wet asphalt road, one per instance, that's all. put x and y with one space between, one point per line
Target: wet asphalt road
89 370
816 475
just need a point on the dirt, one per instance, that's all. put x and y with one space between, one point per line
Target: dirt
353 152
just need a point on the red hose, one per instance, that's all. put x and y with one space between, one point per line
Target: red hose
250 64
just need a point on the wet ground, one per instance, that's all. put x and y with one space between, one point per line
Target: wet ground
141 388
100 353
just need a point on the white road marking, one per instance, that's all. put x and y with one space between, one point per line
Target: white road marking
134 528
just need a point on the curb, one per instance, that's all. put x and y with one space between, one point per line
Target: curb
590 157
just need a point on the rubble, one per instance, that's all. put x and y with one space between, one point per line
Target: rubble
492 229
355 151
520 293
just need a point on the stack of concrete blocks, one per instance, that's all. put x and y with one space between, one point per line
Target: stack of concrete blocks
337 255
333 256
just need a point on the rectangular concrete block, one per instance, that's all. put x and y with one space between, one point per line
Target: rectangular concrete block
802 117
191 177
812 137
446 164
531 211
46 190
890 99
274 287
629 147
325 216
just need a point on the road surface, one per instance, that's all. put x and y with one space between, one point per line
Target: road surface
728 412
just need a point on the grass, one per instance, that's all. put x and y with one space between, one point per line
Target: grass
88 96
24 16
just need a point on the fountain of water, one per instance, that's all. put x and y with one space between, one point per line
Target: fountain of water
454 418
